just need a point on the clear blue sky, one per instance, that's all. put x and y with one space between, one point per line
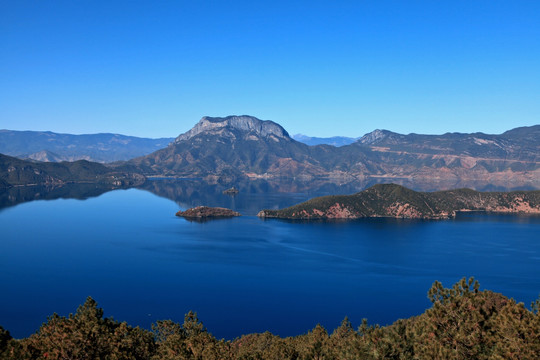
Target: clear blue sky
323 68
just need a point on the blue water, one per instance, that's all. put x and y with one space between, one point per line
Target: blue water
128 251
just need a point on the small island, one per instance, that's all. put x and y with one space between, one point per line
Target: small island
390 200
231 191
206 212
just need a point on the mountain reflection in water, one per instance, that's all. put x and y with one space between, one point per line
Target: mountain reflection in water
21 194
253 196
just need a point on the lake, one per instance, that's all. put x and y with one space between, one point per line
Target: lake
141 263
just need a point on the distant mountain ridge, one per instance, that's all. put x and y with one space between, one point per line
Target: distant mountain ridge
17 172
334 140
244 146
516 145
54 147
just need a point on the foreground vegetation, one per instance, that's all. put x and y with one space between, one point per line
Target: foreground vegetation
463 323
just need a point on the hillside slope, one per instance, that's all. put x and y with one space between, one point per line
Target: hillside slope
17 172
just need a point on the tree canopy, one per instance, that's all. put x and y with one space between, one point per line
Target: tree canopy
463 323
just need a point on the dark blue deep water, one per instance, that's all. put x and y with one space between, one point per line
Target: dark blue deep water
127 250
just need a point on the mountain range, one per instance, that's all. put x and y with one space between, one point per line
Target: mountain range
334 140
16 172
244 146
53 147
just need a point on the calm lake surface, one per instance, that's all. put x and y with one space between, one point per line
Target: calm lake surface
127 250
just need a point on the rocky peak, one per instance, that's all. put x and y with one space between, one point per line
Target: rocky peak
374 136
261 128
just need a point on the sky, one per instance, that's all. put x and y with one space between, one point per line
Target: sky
321 68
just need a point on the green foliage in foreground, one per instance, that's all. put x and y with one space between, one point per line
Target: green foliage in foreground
463 323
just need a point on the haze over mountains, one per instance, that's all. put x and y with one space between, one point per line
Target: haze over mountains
334 140
50 146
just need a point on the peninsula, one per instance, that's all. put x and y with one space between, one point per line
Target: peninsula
390 200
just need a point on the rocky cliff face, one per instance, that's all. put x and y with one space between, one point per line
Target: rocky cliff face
224 125
375 136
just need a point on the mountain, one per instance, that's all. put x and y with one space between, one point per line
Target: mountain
233 146
46 156
49 146
334 140
390 200
512 157
17 172
244 146
521 144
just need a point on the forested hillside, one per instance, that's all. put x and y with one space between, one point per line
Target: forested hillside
17 172
391 200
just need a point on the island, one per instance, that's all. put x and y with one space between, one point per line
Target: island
231 191
391 200
205 212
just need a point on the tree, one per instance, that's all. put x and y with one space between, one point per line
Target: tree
314 345
171 340
87 335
